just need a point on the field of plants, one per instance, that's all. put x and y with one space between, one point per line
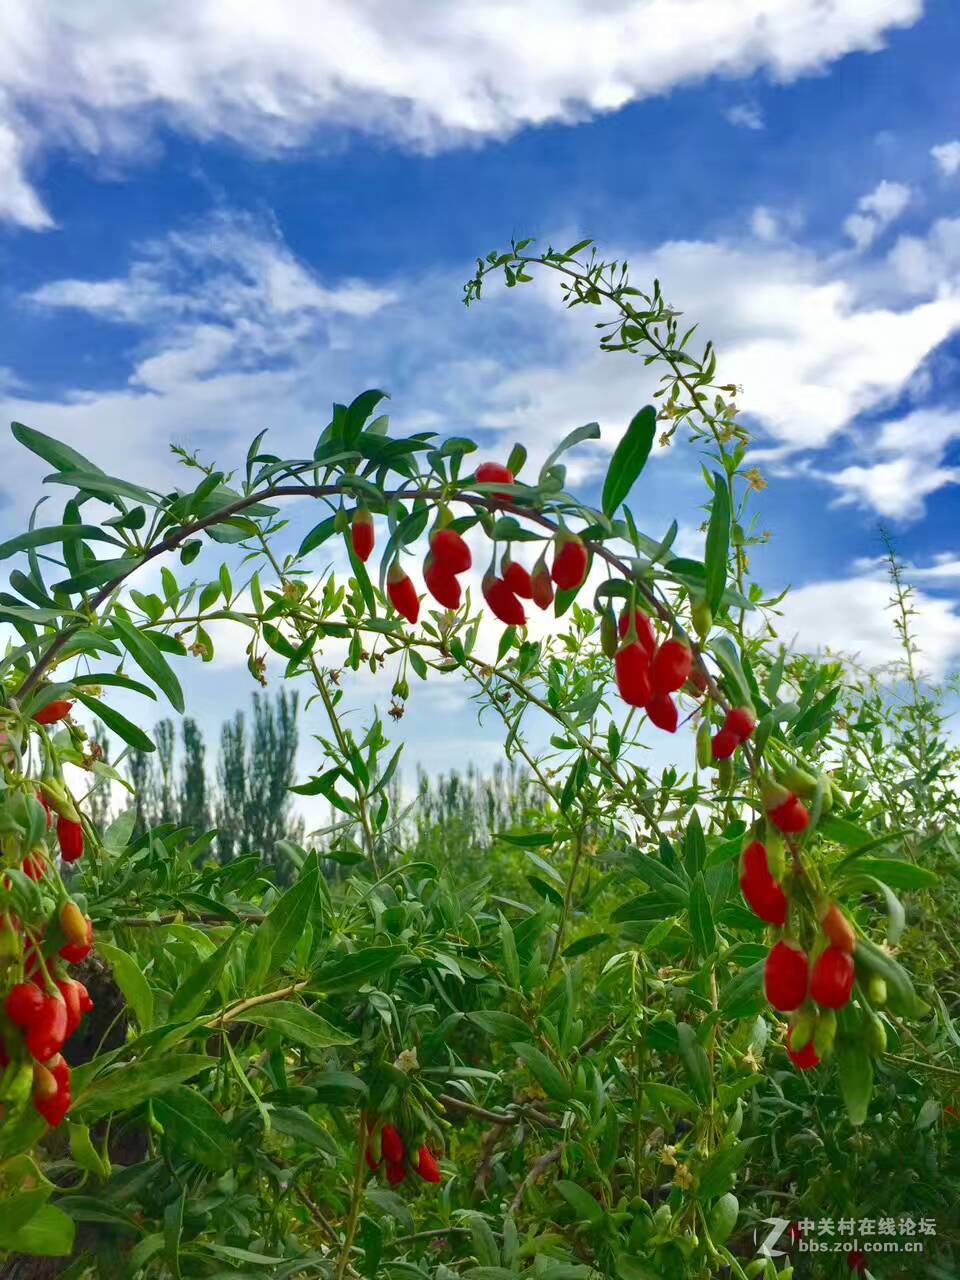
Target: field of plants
580 1018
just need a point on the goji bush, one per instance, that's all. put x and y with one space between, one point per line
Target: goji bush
695 1018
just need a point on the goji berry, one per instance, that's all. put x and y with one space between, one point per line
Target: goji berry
391 1143
73 922
832 980
671 666
632 667
838 929
740 721
791 817
517 579
24 1003
35 865
71 998
450 550
724 744
372 1164
786 976
48 1030
46 805
70 839
402 593
857 1261
53 712
396 1173
427 1166
441 583
83 995
804 1058
646 636
54 1109
503 603
45 1084
662 711
75 952
362 534
570 562
541 584
491 472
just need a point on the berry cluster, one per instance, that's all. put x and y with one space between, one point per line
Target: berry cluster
386 1146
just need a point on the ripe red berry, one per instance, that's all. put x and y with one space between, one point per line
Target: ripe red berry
632 667
427 1166
646 636
70 839
838 929
662 711
24 1004
396 1173
832 980
857 1261
724 744
362 536
517 579
83 995
541 586
53 712
75 952
806 1057
570 562
450 550
503 603
671 666
35 865
490 472
48 1030
761 892
791 816
391 1144
402 593
441 583
71 998
740 721
786 977
372 1164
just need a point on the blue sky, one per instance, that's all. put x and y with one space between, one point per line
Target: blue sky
215 218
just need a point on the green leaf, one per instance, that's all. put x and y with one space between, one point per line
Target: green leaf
150 660
130 1085
194 1126
47 1234
55 452
500 1026
283 928
901 875
665 1095
855 1071
112 718
581 1201
194 992
133 985
296 1023
629 458
109 487
701 918
716 1176
630 1268
694 1060
351 972
718 543
55 533
544 1071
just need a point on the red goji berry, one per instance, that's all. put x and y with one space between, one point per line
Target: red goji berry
362 534
35 865
517 579
427 1166
71 998
632 667
45 1084
503 603
391 1144
832 980
73 922
372 1164
857 1261
541 585
70 839
740 721
671 666
786 977
441 583
48 1030
570 562
53 712
838 929
662 711
806 1057
402 593
75 952
83 995
791 816
450 550
491 472
646 636
24 1004
396 1173
724 744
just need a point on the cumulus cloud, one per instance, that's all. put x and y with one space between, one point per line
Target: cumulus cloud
101 76
746 116
876 211
947 157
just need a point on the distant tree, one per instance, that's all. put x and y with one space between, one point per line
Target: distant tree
193 800
166 792
232 788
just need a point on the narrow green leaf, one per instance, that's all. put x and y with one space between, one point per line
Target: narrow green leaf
150 660
629 459
296 1023
718 543
112 718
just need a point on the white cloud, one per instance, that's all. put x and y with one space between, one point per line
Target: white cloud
851 616
876 211
18 201
764 224
928 264
101 76
746 116
947 157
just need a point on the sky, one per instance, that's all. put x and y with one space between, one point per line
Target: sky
218 216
